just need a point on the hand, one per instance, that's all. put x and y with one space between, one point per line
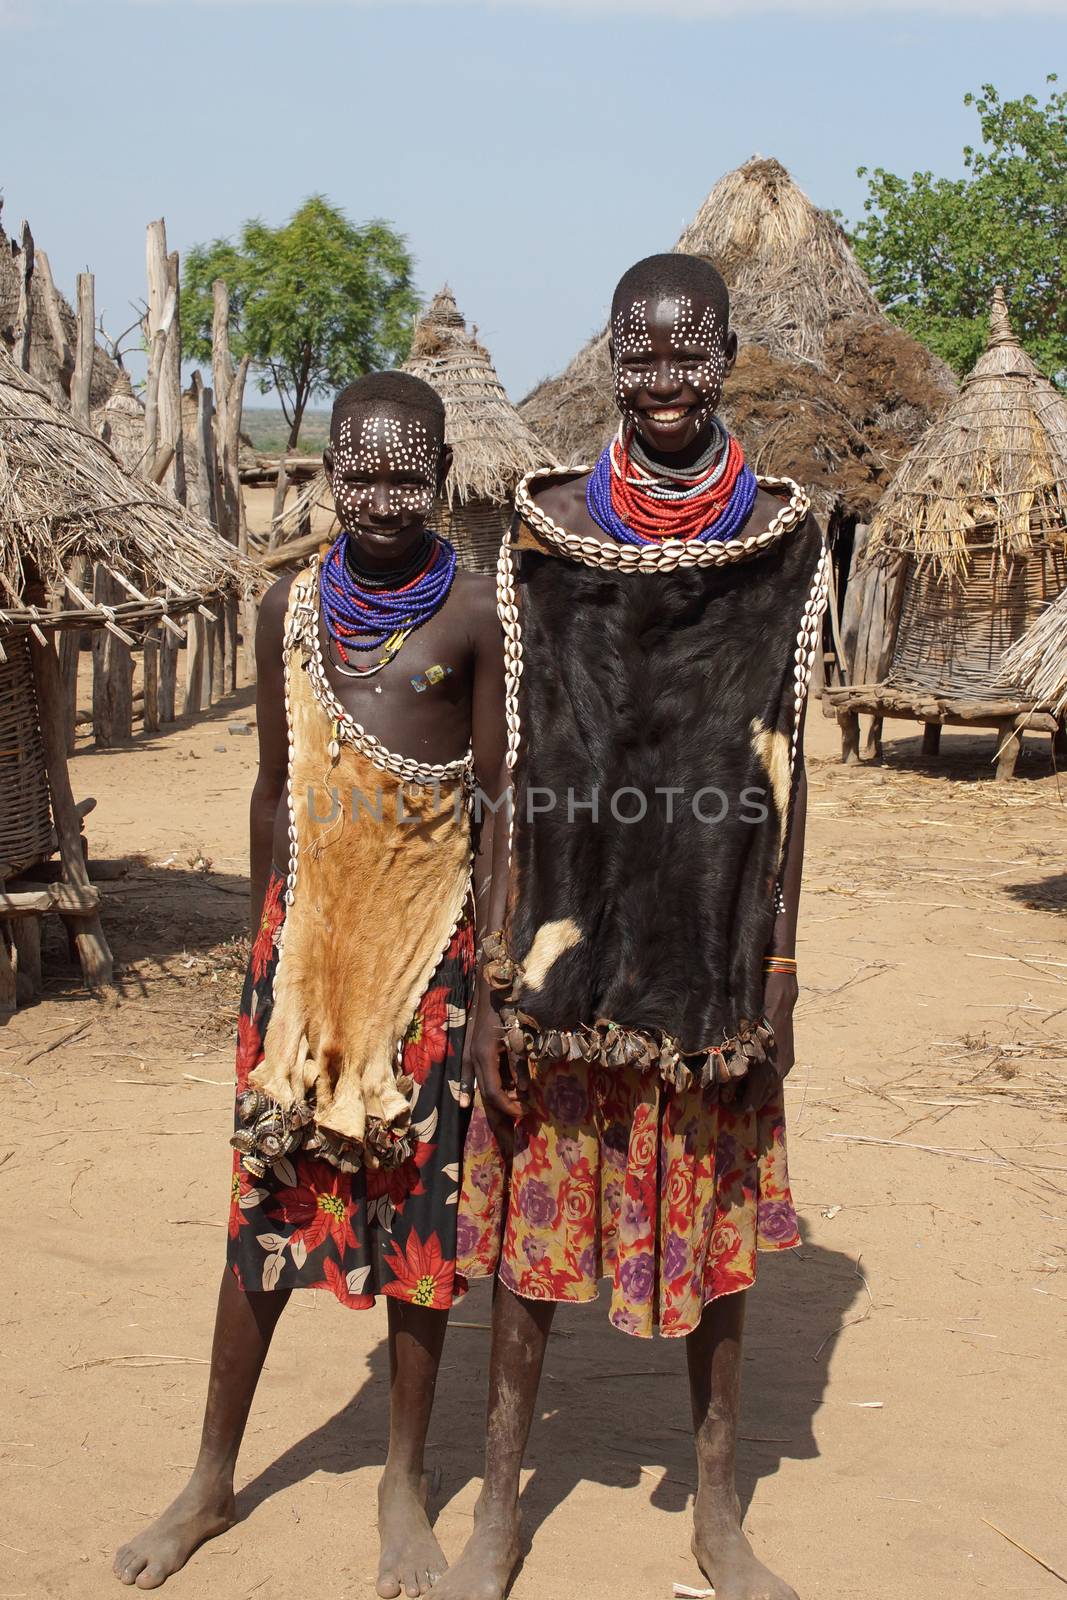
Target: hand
485 1058
780 992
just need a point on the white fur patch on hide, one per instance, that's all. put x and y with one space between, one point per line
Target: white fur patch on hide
772 748
551 940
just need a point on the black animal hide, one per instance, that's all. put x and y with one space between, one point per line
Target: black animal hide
648 682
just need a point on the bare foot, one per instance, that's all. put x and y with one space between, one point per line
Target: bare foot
412 1560
725 1556
165 1547
491 1555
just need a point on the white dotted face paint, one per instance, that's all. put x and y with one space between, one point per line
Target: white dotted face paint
696 342
384 465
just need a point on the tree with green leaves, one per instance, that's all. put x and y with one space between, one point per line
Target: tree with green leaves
936 248
315 302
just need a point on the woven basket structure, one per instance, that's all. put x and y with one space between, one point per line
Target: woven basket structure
476 530
25 812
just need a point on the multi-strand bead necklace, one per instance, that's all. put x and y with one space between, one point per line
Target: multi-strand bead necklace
639 501
368 611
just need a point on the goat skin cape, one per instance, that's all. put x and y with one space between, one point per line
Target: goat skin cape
638 934
378 895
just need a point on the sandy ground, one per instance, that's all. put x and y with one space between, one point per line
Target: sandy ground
905 1368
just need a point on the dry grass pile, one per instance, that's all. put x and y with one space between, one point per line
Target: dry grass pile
826 389
1038 661
990 474
64 496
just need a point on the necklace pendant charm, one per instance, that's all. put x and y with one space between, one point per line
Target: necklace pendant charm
334 746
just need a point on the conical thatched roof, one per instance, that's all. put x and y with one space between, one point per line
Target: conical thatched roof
991 472
44 358
791 270
825 388
63 494
493 447
120 423
1038 661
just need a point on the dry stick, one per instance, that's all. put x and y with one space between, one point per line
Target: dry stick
82 382
54 1044
851 1323
24 325
61 345
1025 1550
940 1150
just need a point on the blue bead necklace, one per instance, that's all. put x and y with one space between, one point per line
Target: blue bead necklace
362 612
619 466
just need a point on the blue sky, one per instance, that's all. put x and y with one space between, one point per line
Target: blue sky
529 149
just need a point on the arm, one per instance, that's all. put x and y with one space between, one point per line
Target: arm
781 989
269 787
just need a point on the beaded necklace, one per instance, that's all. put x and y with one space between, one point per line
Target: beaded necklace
365 611
639 502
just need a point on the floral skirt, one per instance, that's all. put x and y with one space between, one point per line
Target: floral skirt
308 1225
667 1194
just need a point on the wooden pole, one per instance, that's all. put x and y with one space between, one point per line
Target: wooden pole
150 677
64 360
92 947
69 643
81 385
24 325
195 651
164 314
168 675
112 673
229 403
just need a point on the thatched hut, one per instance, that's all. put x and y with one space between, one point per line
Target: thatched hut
973 529
825 388
45 357
120 422
73 524
492 446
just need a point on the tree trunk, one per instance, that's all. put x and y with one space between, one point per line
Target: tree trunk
81 385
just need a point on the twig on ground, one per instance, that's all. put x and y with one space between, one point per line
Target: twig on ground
852 1321
1025 1550
54 1044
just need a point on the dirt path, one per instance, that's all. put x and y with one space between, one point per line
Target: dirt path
905 1372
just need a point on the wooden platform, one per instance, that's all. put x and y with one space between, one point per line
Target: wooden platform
1009 716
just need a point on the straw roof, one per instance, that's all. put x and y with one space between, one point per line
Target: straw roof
826 388
120 423
1038 661
492 446
44 358
63 494
991 472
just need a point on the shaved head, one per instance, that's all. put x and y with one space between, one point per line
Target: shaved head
669 277
392 392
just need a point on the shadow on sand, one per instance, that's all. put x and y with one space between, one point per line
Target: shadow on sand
613 1410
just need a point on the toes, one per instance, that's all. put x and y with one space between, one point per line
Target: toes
128 1564
388 1585
152 1577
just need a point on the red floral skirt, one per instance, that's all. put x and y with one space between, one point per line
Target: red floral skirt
669 1195
306 1225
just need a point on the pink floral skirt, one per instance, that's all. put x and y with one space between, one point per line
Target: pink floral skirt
669 1195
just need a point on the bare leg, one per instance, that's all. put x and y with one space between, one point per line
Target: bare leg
520 1334
724 1554
244 1325
411 1558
